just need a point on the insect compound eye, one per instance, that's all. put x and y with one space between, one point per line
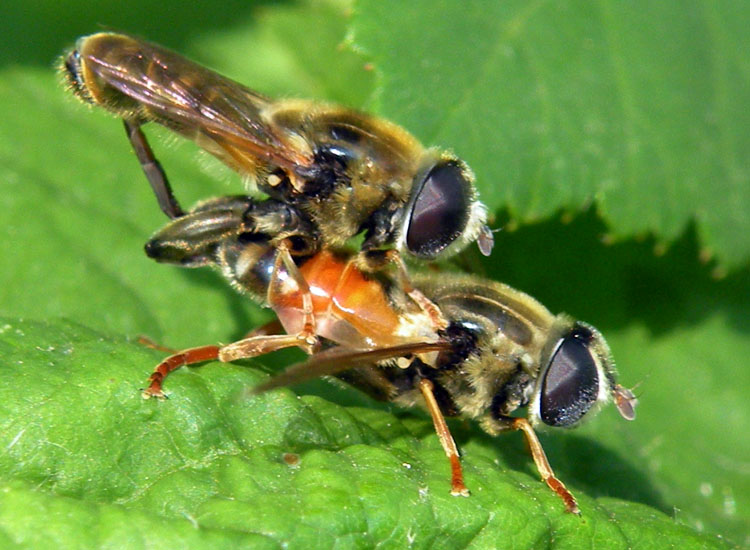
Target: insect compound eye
73 76
440 210
571 382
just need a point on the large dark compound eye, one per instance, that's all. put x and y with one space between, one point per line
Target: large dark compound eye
440 210
571 382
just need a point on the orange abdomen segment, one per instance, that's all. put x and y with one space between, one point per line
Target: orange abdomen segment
349 308
340 290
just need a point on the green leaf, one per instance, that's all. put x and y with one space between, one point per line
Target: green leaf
640 105
87 463
82 446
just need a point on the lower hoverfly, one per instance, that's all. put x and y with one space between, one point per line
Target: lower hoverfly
343 171
456 344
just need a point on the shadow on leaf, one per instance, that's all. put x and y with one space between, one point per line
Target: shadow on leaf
568 268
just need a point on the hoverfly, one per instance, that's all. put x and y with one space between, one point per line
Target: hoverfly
343 172
456 344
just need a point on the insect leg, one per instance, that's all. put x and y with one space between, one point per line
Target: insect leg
174 362
242 349
153 170
446 439
371 261
276 293
259 345
424 303
542 464
149 343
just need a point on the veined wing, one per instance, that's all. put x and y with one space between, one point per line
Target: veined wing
339 359
193 101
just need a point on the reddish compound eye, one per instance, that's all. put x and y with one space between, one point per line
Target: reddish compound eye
571 381
440 210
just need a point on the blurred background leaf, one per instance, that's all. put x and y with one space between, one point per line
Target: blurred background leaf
554 106
639 105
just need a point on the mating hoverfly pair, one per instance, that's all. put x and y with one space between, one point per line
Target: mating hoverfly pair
457 344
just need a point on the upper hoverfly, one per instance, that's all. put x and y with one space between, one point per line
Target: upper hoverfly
342 172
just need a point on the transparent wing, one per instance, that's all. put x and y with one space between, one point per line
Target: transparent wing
193 101
339 359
